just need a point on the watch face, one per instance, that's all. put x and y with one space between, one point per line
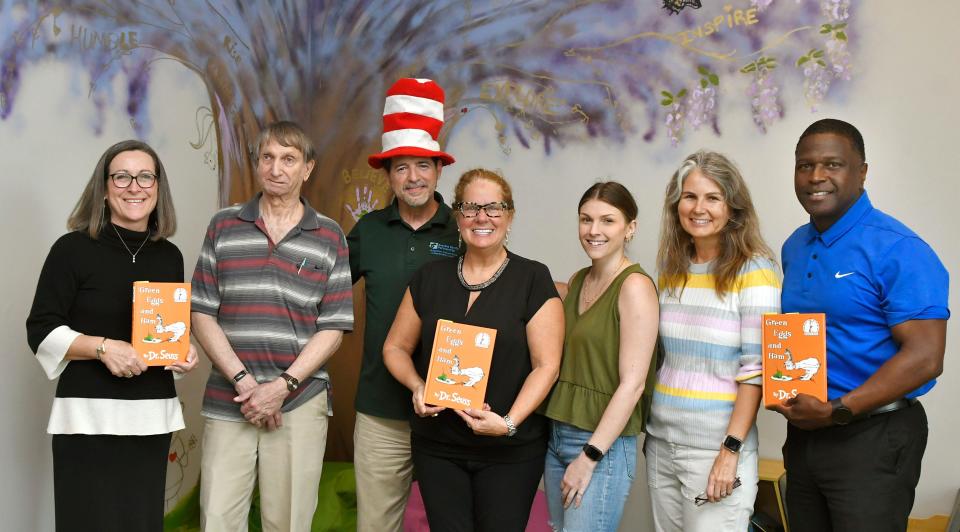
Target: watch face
292 382
841 414
732 444
592 452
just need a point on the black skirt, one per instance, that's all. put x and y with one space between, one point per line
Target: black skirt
106 483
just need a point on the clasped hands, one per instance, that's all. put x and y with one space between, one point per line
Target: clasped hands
482 422
261 402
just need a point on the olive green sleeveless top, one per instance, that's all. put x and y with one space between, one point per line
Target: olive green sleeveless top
590 372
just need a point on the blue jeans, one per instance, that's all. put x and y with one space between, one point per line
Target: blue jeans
602 505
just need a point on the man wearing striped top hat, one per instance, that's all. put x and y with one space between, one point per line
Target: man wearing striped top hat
386 247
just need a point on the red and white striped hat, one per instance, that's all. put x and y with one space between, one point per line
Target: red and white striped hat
412 118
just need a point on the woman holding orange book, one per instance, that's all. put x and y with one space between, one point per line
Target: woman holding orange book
479 469
112 416
609 360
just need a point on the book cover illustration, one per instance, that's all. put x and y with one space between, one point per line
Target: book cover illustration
459 365
161 322
794 357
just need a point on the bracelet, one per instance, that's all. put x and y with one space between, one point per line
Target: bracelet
511 426
240 375
102 349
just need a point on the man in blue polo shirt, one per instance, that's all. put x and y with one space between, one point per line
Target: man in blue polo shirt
853 462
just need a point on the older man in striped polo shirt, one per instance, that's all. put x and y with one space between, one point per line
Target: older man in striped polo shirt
271 299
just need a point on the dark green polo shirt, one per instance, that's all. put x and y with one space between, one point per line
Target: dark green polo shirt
386 252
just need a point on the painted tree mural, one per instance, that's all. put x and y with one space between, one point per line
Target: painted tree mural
548 72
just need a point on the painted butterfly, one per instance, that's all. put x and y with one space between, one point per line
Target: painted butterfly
675 6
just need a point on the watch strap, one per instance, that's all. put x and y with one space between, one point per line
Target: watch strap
592 452
841 415
102 348
292 382
240 375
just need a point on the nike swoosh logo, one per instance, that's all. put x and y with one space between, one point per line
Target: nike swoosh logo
839 275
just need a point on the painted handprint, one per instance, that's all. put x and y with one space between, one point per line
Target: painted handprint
365 203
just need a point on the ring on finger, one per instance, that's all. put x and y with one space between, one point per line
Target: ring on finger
129 374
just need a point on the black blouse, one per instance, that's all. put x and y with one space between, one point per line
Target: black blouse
507 306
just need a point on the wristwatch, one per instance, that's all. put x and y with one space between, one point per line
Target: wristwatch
102 349
732 444
511 427
240 375
292 382
841 414
592 452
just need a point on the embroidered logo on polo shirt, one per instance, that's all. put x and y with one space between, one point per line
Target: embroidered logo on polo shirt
442 250
839 275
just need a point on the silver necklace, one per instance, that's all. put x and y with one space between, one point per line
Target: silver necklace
133 255
479 286
587 300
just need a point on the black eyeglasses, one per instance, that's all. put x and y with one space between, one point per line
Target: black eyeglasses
123 179
702 499
493 209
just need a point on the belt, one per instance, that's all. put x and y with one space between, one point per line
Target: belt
899 404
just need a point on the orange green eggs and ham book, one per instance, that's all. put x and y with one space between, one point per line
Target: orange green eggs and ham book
459 365
161 322
794 357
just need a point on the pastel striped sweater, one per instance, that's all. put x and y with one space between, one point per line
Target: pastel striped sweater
711 345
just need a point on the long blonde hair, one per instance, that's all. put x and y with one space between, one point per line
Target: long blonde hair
740 239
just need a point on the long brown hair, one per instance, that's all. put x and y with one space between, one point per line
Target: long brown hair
92 212
740 239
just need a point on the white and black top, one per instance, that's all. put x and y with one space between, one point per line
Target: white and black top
85 287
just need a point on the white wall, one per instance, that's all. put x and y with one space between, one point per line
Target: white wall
48 155
902 99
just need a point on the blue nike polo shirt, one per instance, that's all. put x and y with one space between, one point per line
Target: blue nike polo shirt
867 272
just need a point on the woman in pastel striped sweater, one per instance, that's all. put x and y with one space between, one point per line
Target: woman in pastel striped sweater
717 277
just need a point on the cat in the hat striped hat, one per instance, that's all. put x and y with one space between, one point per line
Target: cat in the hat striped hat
412 119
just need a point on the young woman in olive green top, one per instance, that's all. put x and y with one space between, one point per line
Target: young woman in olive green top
608 365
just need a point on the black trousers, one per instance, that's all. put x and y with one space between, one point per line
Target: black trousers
105 483
468 496
859 477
